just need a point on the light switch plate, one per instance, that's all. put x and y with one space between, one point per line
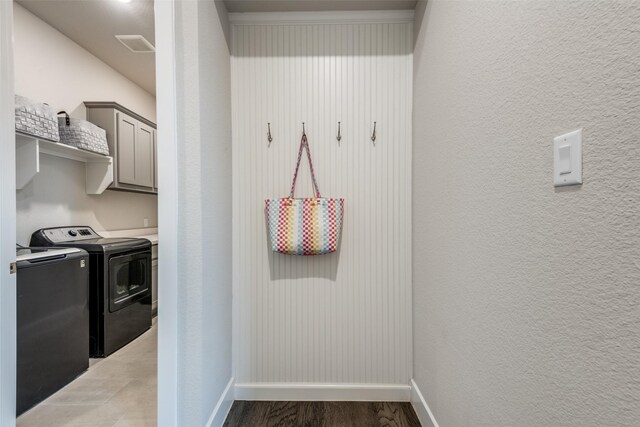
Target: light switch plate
567 159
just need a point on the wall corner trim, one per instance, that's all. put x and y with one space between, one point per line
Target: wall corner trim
420 406
220 412
323 391
341 17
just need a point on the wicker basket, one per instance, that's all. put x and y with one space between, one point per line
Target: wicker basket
36 119
82 134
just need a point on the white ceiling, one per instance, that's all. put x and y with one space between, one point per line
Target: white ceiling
94 23
316 5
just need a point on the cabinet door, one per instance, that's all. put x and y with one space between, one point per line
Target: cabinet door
126 149
154 284
155 161
144 156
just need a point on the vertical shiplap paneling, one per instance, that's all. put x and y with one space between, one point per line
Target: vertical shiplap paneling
345 317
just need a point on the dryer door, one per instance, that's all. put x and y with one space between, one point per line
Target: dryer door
129 279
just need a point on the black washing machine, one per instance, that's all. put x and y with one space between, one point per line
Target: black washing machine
119 284
53 321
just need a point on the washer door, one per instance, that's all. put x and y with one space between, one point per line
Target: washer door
129 279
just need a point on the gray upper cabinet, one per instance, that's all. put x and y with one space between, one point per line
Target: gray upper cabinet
132 143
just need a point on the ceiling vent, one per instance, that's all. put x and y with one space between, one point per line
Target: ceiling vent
137 44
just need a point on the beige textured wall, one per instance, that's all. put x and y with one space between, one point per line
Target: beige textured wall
527 298
203 101
57 197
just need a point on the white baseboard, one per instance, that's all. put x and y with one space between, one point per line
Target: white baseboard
422 409
220 412
317 391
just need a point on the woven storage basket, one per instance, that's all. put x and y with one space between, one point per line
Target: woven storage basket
82 134
36 119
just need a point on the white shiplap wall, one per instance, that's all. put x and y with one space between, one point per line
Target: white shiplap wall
343 318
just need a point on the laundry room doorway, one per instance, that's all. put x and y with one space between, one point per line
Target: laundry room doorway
12 225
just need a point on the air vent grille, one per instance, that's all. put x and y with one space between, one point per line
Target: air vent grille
137 44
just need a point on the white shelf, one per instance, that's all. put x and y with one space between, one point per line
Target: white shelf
99 168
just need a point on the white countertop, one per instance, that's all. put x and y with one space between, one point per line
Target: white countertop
144 233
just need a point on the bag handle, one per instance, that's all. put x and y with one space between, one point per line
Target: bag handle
304 145
66 115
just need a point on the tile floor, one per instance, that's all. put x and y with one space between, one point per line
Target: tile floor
117 391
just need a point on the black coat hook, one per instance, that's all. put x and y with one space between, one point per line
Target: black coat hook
303 131
339 137
373 137
269 138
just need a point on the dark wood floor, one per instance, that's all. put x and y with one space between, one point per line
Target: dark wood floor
321 414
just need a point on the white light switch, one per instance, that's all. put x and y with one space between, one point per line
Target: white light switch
567 159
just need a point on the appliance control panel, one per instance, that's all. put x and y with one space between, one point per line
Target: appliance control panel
70 234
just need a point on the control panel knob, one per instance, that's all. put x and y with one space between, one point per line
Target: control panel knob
73 233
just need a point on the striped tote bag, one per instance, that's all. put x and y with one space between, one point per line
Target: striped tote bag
308 226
